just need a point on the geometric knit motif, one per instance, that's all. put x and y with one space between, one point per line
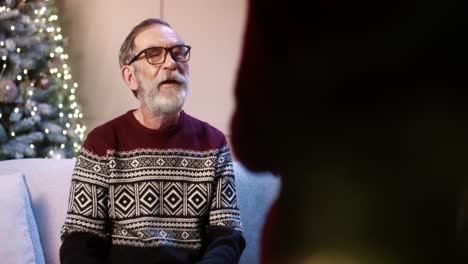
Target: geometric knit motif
150 197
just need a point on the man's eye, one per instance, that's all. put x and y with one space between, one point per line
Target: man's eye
178 52
154 53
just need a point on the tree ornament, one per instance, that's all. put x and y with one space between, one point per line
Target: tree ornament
8 91
22 6
44 83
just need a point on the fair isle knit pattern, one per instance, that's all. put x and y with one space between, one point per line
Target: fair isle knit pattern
153 197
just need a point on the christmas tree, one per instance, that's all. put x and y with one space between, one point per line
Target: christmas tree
39 114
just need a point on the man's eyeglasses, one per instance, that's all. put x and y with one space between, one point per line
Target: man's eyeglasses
157 55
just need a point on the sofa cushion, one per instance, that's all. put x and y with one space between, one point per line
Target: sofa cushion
19 237
48 182
255 194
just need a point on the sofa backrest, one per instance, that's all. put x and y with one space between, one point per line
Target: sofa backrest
48 182
255 193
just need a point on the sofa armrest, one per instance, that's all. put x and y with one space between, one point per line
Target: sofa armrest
48 182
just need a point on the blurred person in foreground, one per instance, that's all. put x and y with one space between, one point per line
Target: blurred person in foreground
361 109
154 185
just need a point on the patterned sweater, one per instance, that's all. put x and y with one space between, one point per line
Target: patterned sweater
145 196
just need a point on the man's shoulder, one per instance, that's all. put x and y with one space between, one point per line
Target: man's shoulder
109 126
103 136
203 126
209 136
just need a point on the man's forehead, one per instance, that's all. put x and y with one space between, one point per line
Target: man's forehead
157 35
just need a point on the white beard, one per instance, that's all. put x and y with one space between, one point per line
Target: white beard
167 103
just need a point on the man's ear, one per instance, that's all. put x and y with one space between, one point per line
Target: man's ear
128 75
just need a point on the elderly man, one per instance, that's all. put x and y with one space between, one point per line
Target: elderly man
154 185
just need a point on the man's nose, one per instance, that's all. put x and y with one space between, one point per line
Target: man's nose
169 62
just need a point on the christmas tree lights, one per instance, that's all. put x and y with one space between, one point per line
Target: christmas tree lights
39 114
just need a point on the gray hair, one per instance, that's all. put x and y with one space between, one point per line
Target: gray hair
127 50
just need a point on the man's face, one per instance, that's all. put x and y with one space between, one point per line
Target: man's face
162 88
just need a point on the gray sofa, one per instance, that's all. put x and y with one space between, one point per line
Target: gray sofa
47 183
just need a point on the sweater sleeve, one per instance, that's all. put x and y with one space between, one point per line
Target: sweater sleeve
85 234
224 242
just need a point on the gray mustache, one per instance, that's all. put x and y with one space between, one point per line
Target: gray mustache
174 77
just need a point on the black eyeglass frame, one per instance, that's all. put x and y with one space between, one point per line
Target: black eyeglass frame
166 51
